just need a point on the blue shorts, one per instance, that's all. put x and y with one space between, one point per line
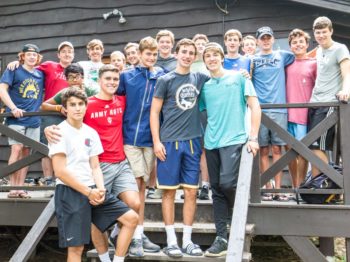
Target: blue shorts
181 167
297 130
267 136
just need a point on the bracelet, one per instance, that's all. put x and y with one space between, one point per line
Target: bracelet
58 108
89 193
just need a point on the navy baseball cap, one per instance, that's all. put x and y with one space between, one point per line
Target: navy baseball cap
265 30
30 48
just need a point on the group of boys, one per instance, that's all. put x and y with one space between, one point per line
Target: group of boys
149 109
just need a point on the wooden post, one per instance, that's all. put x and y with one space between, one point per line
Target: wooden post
240 209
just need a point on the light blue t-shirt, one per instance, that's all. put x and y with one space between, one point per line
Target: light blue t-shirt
225 100
269 77
236 64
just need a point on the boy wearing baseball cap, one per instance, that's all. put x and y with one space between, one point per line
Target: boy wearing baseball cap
21 90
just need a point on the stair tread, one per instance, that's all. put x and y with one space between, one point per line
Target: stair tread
151 226
160 256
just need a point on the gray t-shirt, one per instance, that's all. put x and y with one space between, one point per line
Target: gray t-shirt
180 111
329 79
167 64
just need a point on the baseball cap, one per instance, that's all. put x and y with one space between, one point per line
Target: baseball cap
65 43
30 48
265 30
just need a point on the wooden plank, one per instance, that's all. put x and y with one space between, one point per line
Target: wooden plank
30 242
240 209
305 249
341 6
256 181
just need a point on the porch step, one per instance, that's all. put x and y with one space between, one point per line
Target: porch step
160 256
203 234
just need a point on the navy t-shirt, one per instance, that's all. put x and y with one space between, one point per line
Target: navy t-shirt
26 92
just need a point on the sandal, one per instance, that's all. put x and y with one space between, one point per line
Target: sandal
267 197
173 251
281 198
13 194
24 195
192 250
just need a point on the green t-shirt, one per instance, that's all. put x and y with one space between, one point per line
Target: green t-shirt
58 97
225 100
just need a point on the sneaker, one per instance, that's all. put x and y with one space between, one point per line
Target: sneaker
218 248
150 192
148 245
135 248
4 182
30 182
158 194
112 241
204 194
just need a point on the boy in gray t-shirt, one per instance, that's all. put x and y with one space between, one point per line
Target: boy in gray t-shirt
332 83
177 143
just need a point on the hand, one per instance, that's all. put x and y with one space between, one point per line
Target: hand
17 113
13 65
63 111
245 73
343 96
95 197
253 147
159 151
53 134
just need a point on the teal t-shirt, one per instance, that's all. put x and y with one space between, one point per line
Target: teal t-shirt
225 100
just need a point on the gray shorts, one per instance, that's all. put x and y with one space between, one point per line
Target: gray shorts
267 136
118 177
32 133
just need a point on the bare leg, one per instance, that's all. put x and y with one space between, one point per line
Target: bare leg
24 170
142 188
204 168
131 199
99 240
129 222
189 208
302 169
168 206
321 154
75 253
276 154
16 154
46 165
153 177
264 162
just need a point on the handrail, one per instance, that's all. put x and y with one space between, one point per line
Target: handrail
240 208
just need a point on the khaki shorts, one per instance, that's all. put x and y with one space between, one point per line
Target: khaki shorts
32 133
141 160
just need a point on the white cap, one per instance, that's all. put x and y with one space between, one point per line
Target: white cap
65 43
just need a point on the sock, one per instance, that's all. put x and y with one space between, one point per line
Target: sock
118 259
186 236
138 232
104 257
205 184
115 230
170 235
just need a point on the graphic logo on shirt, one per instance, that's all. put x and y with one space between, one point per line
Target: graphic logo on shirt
264 62
186 96
29 88
109 120
88 142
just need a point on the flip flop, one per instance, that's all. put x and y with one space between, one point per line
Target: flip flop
173 251
24 195
281 198
193 250
13 194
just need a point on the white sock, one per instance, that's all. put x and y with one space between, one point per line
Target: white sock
205 183
170 235
118 259
186 236
138 232
115 230
104 257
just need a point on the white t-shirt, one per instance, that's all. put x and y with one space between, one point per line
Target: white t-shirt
78 145
91 73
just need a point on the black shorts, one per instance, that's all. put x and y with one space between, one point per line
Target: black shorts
326 141
75 214
48 121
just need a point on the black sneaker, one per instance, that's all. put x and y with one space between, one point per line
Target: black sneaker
204 194
112 241
218 248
